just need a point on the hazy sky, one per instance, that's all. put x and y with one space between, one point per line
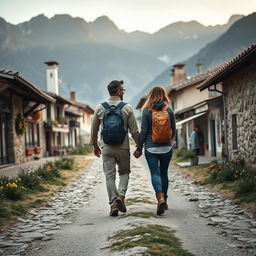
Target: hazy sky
130 15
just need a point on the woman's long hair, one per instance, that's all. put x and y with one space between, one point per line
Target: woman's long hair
156 95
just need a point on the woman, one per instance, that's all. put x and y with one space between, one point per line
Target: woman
158 154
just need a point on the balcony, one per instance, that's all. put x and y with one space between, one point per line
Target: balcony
57 126
74 124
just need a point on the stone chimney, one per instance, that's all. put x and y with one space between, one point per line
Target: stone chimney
52 76
73 95
178 73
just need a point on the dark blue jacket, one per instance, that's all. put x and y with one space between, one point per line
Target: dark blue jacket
146 127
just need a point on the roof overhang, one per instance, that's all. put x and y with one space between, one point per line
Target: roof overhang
230 67
25 88
179 124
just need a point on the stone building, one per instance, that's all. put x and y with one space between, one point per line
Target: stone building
21 126
192 107
238 78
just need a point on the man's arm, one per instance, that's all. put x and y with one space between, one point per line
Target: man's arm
94 133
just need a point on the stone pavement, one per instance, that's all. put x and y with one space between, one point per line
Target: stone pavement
75 221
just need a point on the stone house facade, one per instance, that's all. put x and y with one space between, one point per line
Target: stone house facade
19 98
238 78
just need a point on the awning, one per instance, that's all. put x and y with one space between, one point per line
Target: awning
179 124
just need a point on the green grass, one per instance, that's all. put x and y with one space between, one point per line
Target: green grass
139 214
159 240
135 200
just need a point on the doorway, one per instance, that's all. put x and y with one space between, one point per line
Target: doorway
213 137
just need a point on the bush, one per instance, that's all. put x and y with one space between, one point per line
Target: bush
29 179
246 185
227 171
184 154
10 189
82 150
65 163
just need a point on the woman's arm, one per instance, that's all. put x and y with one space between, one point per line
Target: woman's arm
173 121
144 129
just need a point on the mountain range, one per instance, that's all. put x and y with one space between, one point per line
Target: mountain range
93 53
237 38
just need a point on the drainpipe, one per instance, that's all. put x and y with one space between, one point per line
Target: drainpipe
225 119
225 127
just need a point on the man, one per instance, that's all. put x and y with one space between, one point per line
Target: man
195 143
113 155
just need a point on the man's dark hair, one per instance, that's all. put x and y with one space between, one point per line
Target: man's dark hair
197 126
114 86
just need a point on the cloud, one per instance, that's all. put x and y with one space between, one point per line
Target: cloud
165 59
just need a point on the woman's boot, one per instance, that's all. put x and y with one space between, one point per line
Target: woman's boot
160 203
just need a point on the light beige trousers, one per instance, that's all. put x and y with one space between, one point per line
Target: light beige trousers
113 157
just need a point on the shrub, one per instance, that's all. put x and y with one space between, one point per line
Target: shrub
227 171
184 154
28 179
9 189
82 150
246 185
65 163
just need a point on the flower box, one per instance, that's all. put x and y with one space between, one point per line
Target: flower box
38 150
30 151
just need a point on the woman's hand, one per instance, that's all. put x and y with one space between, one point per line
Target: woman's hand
137 153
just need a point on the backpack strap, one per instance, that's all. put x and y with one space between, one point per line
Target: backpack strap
105 105
121 104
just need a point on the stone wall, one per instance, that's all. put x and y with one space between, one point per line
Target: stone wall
240 98
18 141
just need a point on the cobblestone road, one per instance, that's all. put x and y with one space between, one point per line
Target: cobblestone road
75 221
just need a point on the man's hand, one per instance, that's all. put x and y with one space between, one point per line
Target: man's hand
96 151
137 153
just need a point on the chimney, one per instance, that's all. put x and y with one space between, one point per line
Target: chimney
52 76
73 95
178 73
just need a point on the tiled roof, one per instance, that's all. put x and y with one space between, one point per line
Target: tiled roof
227 66
191 81
9 74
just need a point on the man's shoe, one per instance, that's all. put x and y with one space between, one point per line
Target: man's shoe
113 210
120 203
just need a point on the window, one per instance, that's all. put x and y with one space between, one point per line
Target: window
234 132
32 139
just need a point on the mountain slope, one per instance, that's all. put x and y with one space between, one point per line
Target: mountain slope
238 37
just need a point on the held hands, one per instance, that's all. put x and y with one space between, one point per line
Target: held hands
137 153
97 151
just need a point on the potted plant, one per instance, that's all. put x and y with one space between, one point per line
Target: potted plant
30 151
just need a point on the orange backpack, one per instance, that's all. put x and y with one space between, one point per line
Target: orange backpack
161 125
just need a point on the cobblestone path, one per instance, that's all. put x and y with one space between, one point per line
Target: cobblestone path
75 221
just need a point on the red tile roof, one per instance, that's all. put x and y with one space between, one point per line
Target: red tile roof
218 75
9 74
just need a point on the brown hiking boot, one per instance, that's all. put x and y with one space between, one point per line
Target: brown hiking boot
120 203
160 203
166 205
113 210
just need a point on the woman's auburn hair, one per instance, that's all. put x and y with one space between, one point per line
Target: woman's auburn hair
156 95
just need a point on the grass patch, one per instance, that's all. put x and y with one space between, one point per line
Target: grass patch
231 178
135 200
139 214
82 150
38 186
159 240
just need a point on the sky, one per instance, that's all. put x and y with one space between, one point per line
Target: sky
130 15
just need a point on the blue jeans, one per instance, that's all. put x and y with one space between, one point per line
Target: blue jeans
158 165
